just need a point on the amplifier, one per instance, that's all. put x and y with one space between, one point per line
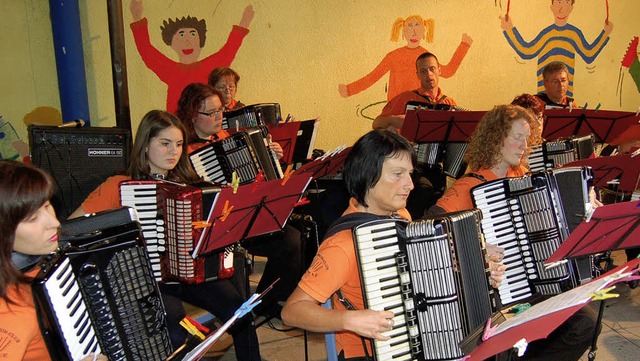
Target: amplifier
78 159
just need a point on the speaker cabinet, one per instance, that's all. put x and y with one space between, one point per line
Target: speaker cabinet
78 159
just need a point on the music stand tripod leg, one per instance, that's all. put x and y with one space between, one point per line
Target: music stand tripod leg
594 343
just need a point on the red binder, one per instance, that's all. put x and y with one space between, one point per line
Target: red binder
605 125
432 126
255 209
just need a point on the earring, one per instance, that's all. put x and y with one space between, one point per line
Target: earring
146 150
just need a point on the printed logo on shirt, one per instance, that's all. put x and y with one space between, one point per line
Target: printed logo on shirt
6 339
318 263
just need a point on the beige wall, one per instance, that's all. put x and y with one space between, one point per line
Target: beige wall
298 52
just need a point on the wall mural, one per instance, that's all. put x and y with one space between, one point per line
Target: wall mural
400 63
186 36
631 64
559 41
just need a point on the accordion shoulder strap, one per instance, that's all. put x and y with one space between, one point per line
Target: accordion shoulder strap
476 176
349 221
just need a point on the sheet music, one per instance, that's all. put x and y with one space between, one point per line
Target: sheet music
574 297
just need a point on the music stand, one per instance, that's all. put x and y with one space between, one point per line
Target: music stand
330 163
541 319
428 126
255 209
612 226
623 167
295 138
605 125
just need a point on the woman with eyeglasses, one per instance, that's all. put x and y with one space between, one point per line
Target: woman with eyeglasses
28 230
200 109
160 152
225 80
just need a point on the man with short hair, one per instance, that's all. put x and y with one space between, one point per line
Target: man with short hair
428 71
556 82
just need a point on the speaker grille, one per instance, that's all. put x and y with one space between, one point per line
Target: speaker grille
78 159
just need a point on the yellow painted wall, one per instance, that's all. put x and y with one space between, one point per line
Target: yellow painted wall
298 52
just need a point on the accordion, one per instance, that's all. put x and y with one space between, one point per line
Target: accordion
432 275
246 153
167 212
553 154
99 295
252 116
530 217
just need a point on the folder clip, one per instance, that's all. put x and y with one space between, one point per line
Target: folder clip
198 325
191 328
200 224
287 174
235 182
488 330
226 210
518 309
302 202
603 294
259 178
597 107
248 305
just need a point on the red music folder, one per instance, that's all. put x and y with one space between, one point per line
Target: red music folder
605 125
623 167
255 209
330 163
430 126
296 139
611 227
541 319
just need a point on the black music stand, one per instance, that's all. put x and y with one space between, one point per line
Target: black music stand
605 125
329 164
623 167
255 209
428 126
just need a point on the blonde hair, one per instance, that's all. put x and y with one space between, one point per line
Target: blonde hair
400 23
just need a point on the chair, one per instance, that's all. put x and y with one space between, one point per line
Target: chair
330 339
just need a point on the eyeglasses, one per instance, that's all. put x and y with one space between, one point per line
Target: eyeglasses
230 87
214 112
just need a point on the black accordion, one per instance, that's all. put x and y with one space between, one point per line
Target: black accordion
252 116
167 212
98 295
432 275
246 153
530 217
552 154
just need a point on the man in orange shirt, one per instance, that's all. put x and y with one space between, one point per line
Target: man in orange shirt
428 71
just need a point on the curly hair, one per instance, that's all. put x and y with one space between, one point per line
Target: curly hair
170 27
189 104
536 106
400 23
487 140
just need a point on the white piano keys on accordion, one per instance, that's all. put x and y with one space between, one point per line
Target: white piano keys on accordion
142 198
435 289
521 216
71 311
379 245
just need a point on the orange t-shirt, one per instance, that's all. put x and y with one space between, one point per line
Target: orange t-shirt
458 196
195 145
20 336
106 196
335 267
